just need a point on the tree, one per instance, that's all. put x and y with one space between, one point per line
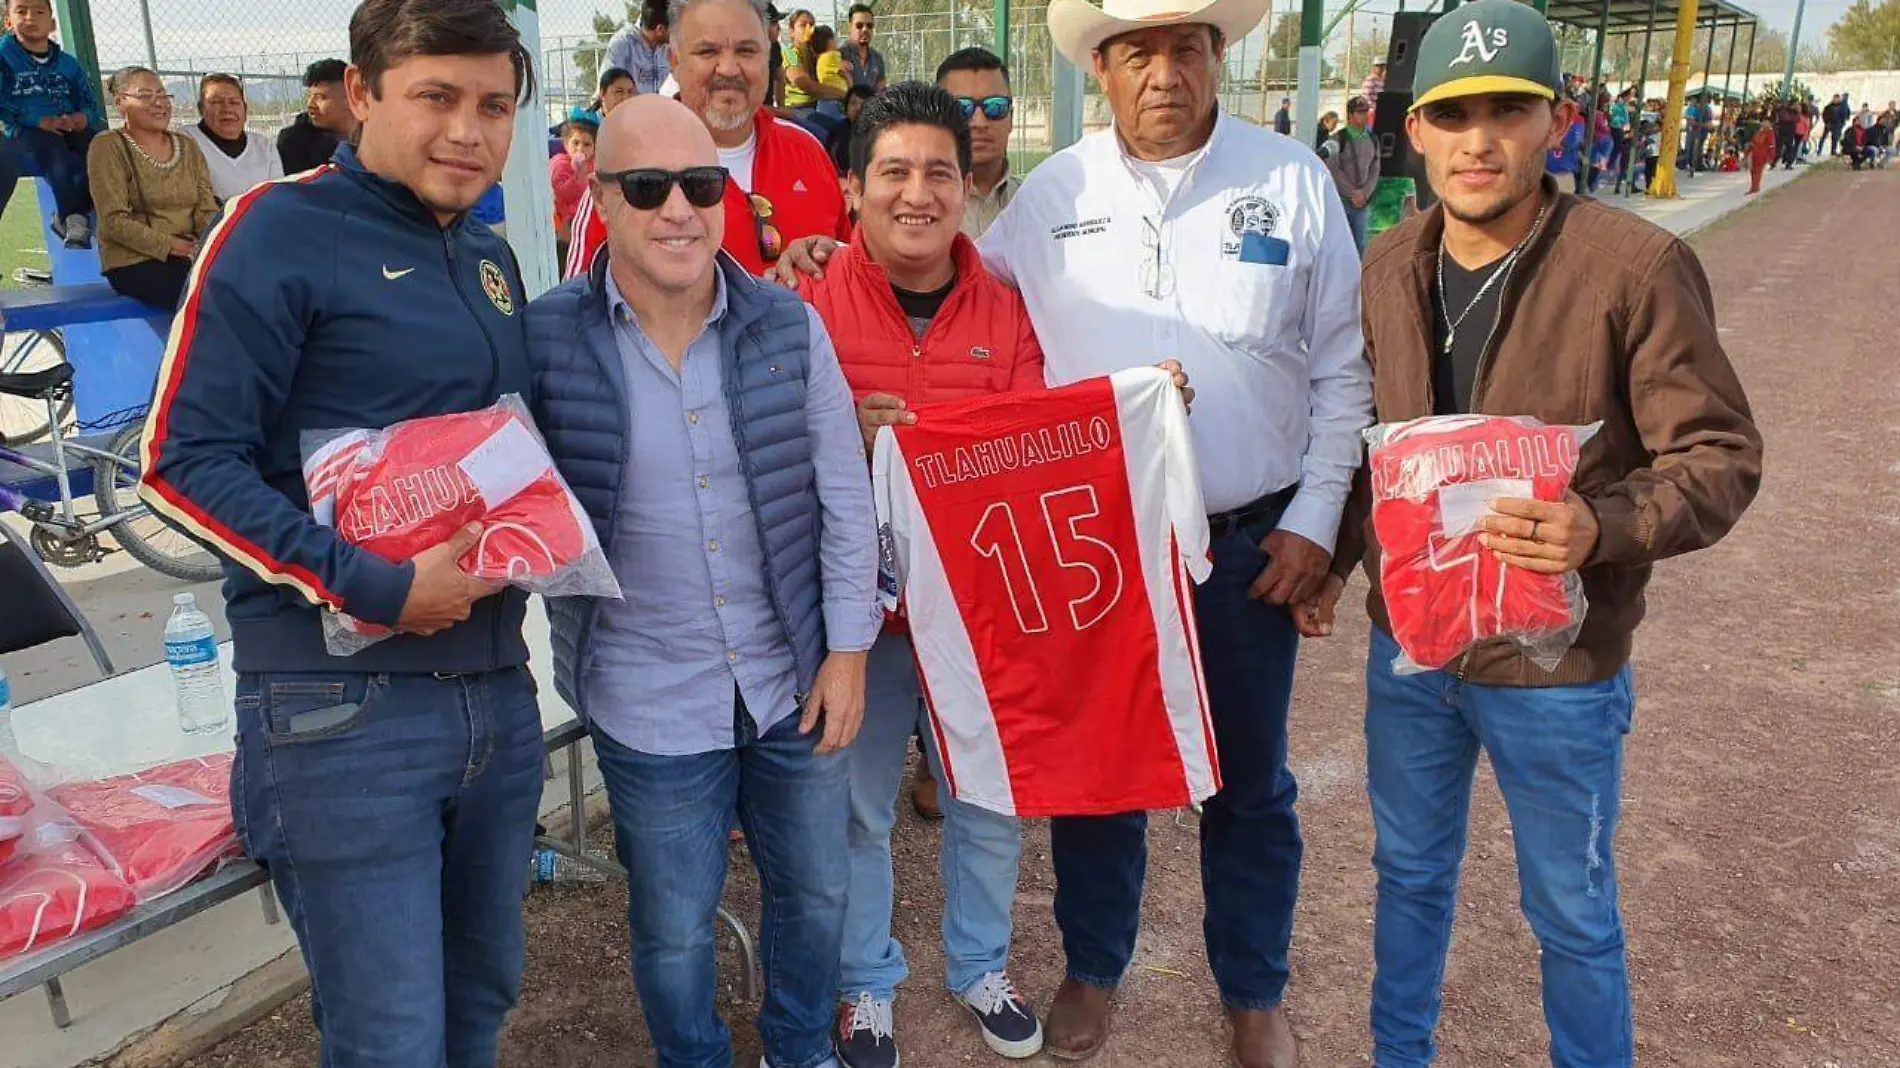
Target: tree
1284 41
1867 37
588 57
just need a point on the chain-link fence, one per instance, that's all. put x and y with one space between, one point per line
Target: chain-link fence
269 45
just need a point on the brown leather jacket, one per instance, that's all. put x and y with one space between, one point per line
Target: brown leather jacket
1606 317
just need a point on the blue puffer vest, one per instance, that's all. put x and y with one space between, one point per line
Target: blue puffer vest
580 402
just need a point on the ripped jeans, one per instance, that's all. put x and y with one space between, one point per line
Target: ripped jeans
1557 753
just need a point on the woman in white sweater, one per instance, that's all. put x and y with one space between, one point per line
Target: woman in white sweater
238 158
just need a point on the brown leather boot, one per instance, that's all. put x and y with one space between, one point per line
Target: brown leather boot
1263 1038
1078 1021
923 793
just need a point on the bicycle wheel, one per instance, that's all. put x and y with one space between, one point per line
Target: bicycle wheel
150 538
23 419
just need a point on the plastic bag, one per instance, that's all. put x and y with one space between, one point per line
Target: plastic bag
399 491
16 801
159 828
55 884
1433 481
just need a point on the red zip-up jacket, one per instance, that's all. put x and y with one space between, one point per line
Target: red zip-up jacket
794 192
980 341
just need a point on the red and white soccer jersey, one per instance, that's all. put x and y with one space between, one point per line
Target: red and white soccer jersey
160 827
1433 480
1043 544
410 487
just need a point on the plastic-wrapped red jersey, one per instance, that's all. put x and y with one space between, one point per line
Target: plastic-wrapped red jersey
57 889
52 884
15 802
160 827
1433 480
1043 544
407 488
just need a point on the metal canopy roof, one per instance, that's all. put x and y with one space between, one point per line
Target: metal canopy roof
1634 16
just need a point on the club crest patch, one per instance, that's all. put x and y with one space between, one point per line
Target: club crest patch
495 284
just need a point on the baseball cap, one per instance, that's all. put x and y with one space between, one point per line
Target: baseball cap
771 13
1490 46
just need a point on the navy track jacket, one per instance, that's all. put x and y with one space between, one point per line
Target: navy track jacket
331 299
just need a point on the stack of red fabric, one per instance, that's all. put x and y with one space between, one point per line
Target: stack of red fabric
162 827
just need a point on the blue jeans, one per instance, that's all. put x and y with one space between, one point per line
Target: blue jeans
979 853
61 159
1250 837
1356 219
1558 757
395 814
672 815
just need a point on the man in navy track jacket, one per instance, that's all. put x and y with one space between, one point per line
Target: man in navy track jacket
392 794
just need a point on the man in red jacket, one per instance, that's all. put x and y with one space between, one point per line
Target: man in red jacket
782 185
916 319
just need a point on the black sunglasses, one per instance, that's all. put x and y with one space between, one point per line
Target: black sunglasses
995 108
646 188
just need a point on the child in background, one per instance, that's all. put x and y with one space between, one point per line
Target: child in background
827 65
569 171
50 110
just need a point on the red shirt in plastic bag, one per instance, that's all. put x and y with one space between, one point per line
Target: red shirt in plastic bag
407 488
160 827
15 802
53 885
1432 481
400 491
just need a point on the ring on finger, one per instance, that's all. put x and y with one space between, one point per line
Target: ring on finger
1534 525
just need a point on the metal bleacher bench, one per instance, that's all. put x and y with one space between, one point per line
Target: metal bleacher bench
46 966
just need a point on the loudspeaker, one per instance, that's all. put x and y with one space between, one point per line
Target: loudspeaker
1396 158
1401 59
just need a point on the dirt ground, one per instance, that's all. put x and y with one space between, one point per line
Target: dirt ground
1760 850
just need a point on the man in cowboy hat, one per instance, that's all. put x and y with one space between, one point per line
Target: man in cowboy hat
1184 233
1476 307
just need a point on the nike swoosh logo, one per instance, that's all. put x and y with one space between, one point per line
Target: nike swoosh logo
393 275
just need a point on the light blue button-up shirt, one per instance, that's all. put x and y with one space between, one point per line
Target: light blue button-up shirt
697 617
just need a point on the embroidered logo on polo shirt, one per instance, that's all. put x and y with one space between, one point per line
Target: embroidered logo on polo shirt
1079 229
1251 221
495 285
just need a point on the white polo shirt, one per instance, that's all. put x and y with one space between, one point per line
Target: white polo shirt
1238 262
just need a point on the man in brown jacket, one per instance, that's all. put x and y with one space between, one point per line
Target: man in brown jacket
1512 298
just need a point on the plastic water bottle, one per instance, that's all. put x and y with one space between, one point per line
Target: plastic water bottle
548 866
7 742
191 647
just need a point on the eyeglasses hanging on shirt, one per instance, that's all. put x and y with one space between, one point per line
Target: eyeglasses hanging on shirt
1157 267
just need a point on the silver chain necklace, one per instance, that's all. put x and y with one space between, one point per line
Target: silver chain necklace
1501 272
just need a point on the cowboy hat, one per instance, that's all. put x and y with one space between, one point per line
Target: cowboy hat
1078 28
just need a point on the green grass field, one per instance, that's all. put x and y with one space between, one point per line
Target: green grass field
21 240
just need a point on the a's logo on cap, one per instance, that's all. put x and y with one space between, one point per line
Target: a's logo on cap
495 284
1475 47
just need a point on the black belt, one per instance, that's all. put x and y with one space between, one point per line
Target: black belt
1265 509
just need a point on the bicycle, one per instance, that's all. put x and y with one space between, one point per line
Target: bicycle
61 534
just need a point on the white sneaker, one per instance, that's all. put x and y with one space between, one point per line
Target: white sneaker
1009 1024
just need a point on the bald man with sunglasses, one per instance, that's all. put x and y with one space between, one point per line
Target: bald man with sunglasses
700 415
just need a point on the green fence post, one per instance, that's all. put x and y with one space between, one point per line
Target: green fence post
75 34
1312 61
525 189
1001 18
